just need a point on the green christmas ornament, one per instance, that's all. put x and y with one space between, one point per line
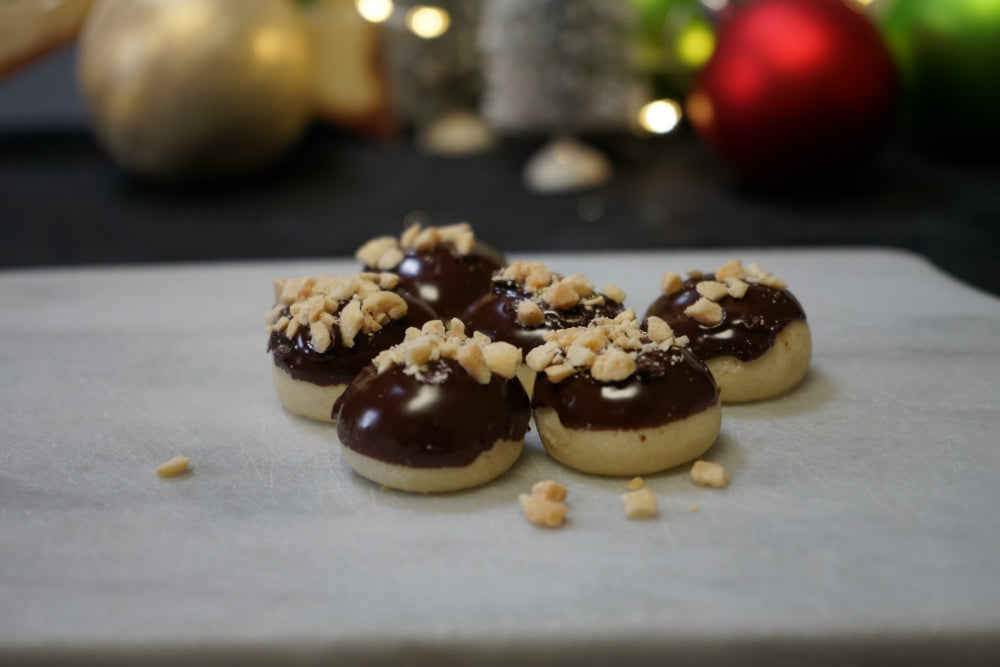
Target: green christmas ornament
674 39
948 53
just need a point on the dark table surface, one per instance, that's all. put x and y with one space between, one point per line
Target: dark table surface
63 201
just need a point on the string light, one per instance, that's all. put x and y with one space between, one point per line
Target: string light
660 116
428 22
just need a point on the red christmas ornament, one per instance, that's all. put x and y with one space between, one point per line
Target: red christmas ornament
794 88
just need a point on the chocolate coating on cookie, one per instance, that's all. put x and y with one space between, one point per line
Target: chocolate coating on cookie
447 279
666 386
339 364
748 327
441 418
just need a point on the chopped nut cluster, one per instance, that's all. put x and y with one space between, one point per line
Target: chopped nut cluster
606 347
547 290
730 280
478 355
319 304
733 271
386 252
706 473
545 506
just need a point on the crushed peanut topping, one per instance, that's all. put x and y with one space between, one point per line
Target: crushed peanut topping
736 288
544 506
640 503
480 357
529 314
607 348
733 272
705 311
671 283
731 279
386 252
706 473
712 290
356 303
547 291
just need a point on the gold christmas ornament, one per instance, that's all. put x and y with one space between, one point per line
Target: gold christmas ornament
196 88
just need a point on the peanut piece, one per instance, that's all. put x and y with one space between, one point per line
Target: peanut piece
550 490
712 290
173 467
705 311
560 295
612 366
529 314
640 504
706 473
502 358
671 283
470 357
615 293
658 330
731 269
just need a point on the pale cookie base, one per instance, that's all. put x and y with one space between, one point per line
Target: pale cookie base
775 372
304 398
487 466
629 452
526 377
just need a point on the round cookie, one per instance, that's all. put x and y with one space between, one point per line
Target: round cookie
445 266
612 399
526 301
744 323
438 412
325 330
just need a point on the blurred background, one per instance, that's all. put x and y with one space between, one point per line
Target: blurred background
203 130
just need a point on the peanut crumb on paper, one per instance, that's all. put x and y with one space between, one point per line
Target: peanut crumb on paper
635 483
544 506
173 467
640 504
706 473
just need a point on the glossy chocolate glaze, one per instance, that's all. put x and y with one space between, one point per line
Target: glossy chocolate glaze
495 314
446 279
340 363
749 325
396 418
668 386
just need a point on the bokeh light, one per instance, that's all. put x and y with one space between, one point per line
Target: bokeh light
660 116
428 22
695 45
375 11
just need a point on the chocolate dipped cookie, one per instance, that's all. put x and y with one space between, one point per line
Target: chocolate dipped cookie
445 266
438 412
614 399
324 330
526 301
744 323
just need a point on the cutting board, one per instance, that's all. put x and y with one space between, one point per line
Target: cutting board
861 523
